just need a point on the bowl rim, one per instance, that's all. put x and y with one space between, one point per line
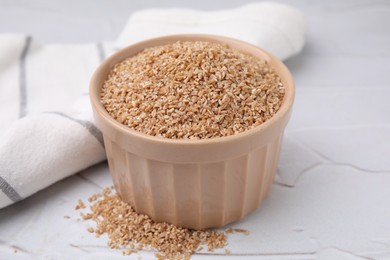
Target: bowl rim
108 63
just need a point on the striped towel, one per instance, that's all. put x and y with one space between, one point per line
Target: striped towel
47 131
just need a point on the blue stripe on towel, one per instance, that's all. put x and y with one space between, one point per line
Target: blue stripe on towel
92 129
9 191
22 78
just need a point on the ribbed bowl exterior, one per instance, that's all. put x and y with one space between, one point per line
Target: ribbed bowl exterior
194 195
193 183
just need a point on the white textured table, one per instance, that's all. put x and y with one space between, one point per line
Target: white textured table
331 198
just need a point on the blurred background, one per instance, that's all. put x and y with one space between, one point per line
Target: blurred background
83 21
337 30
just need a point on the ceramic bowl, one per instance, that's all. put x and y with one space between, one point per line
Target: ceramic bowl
196 184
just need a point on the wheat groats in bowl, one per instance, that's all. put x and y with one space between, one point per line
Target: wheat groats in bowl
192 126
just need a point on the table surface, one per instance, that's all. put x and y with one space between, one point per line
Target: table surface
331 197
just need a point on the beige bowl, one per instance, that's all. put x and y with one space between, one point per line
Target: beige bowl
192 183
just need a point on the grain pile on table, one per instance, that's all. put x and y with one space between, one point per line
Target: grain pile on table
130 231
192 90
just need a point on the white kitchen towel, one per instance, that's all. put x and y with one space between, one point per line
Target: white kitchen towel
275 27
47 132
46 129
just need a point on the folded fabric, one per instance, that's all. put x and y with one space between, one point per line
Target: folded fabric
47 132
39 150
275 27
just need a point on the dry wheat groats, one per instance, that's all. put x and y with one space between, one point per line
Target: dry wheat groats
192 90
204 90
130 231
